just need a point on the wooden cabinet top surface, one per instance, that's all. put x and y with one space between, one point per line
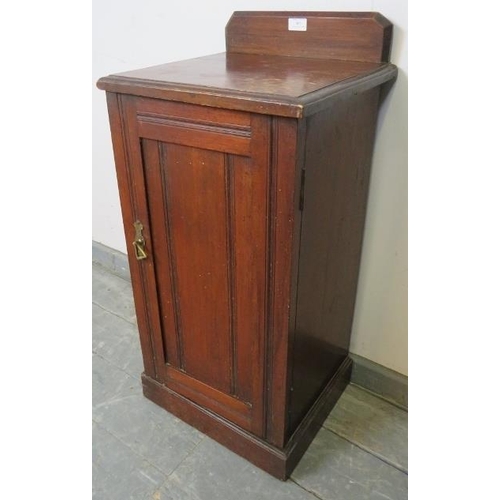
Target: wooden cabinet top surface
269 69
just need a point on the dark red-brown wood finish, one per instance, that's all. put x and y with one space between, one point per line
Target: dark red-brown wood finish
348 36
248 172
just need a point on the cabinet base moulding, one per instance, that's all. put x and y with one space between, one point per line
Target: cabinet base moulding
277 462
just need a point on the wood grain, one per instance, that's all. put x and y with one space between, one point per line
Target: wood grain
244 443
197 207
166 280
276 461
209 239
249 172
282 244
282 86
350 36
128 203
337 171
218 401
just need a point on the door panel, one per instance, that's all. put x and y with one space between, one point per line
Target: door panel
196 202
209 225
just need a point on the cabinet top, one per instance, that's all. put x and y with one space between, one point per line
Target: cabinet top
281 63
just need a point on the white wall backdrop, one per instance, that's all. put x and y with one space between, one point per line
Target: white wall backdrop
131 34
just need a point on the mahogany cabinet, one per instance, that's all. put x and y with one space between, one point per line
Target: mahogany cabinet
243 180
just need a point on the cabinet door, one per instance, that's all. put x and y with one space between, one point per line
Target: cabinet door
206 177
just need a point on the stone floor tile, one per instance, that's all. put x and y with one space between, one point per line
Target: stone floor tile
99 481
112 293
110 383
212 472
335 469
372 423
117 472
150 431
117 341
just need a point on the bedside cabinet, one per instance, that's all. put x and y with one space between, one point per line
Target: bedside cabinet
243 180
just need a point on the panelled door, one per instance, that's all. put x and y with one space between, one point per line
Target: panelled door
206 180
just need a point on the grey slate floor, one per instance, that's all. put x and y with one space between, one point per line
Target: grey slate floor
141 452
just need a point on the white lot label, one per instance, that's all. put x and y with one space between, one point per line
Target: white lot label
297 24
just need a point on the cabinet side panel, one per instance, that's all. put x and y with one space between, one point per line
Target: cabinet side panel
339 145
